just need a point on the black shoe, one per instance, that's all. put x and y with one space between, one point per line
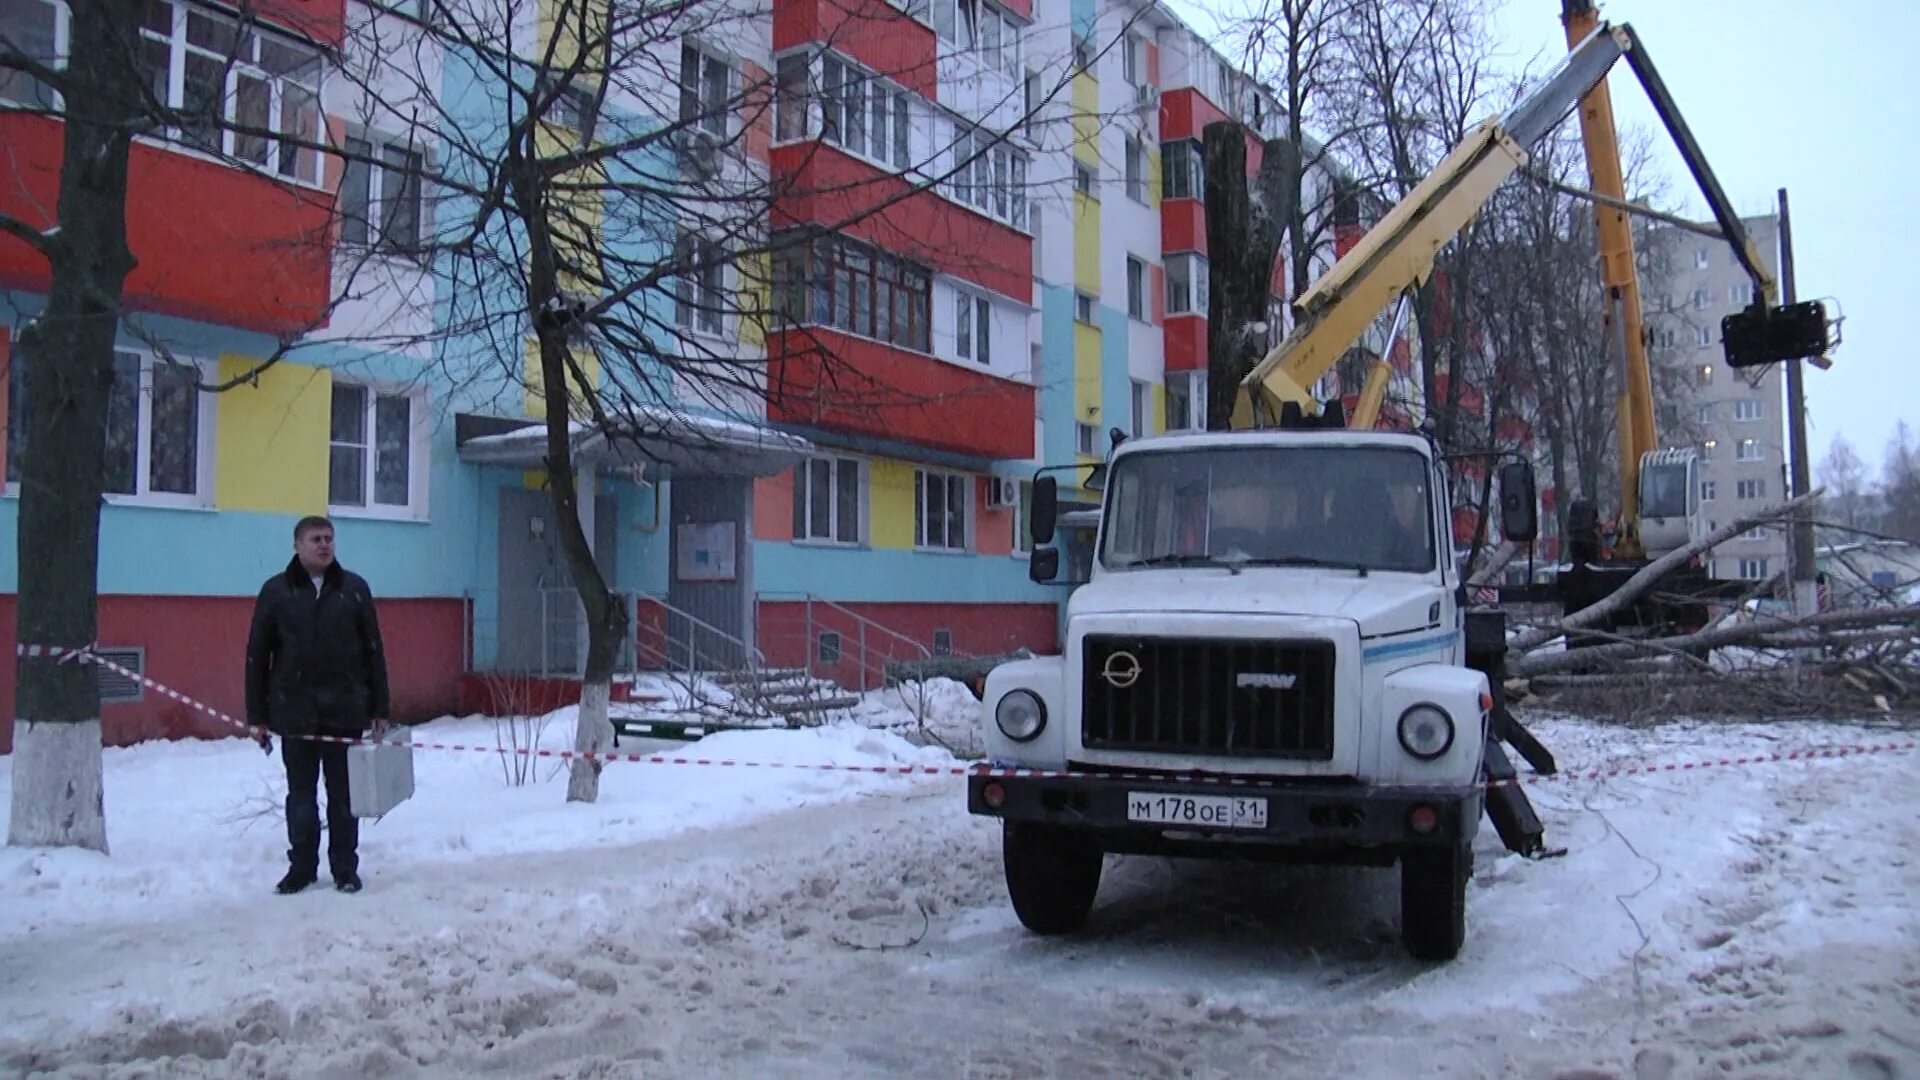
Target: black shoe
348 884
293 882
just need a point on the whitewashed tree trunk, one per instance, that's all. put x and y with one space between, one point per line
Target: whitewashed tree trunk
57 793
592 734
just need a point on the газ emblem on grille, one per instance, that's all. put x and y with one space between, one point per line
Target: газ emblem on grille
1121 670
1263 680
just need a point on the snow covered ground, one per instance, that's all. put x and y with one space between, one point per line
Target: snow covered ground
708 921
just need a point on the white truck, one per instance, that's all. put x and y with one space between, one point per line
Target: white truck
1270 658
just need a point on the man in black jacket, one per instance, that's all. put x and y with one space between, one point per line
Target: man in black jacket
316 666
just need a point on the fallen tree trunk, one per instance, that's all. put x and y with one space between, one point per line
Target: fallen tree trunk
1761 632
1651 574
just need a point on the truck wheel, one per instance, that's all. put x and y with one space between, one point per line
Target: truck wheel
1433 901
1052 876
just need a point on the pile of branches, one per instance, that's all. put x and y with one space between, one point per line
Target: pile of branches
1749 660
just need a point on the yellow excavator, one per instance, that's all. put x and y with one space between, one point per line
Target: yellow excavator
1659 488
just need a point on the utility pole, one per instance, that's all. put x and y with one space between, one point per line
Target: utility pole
1805 593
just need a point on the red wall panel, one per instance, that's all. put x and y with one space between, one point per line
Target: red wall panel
197 645
324 21
1183 226
789 637
1185 113
833 189
992 529
1158 284
834 380
773 506
213 242
6 358
872 32
1186 337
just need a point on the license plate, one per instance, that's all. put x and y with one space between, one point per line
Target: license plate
1199 811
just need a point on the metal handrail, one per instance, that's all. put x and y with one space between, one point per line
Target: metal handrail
757 658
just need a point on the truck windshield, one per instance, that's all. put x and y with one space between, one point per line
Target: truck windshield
1279 505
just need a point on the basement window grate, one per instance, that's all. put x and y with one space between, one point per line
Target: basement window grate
830 647
116 687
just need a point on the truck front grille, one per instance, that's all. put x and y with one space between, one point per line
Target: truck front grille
1233 697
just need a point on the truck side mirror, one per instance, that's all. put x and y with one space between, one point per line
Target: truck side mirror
1046 508
1519 511
1044 564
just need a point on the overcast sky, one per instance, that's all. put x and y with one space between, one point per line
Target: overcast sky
1821 99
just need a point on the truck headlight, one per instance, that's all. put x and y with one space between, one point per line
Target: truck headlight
1020 715
1426 731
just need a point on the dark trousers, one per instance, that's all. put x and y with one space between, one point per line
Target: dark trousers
305 759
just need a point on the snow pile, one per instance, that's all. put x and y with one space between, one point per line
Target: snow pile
941 709
194 823
746 922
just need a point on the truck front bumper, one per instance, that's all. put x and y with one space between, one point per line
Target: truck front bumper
1152 815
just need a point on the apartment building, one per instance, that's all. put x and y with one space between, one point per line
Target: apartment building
989 252
1737 414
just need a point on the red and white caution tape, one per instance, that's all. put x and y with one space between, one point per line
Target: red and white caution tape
85 654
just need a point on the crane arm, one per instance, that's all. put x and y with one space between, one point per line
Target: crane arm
1398 253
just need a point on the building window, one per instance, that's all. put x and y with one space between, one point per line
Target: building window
1746 450
1757 533
1083 307
980 28
863 114
706 85
1133 60
37 28
1700 299
1708 489
1740 293
1030 105
791 98
1186 400
1136 289
1707 448
1753 569
826 500
700 292
1085 438
987 175
1703 376
1700 261
1084 181
1748 409
370 452
1750 489
1142 402
159 430
1187 285
1023 520
941 521
1136 164
1703 336
850 286
201 64
380 194
1183 174
972 327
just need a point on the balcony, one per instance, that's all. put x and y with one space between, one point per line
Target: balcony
829 379
213 242
873 32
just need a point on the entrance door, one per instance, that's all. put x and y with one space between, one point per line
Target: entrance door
538 622
708 583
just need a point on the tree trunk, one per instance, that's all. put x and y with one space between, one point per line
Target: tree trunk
68 357
1244 230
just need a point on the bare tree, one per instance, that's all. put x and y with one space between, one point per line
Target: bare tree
1900 484
1844 474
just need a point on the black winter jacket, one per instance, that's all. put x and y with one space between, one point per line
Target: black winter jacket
315 663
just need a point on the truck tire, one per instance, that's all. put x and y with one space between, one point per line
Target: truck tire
1052 876
1433 901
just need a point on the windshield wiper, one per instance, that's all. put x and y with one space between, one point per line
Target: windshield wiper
1184 560
1306 560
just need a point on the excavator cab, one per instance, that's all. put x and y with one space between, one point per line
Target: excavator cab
1669 501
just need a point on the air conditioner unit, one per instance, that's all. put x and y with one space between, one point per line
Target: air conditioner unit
699 152
1002 493
1146 97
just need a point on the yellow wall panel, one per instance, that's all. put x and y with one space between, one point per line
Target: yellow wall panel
1158 422
756 297
890 503
1086 120
1086 245
535 383
271 438
1086 373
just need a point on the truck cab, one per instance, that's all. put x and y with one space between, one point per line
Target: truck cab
1268 658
